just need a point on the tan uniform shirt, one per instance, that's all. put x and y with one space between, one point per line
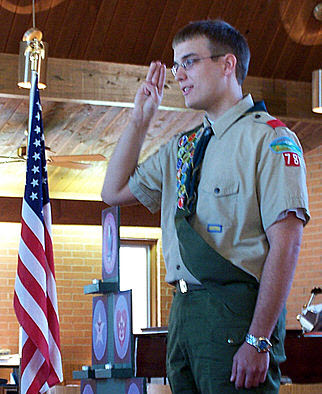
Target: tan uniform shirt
252 171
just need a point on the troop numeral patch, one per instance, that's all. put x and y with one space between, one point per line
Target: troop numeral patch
291 159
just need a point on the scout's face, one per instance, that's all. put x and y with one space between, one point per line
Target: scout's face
202 83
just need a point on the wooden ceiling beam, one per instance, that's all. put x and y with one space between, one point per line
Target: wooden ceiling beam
113 84
80 212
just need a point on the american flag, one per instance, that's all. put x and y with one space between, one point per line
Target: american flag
35 298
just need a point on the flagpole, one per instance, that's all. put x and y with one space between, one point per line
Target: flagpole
31 100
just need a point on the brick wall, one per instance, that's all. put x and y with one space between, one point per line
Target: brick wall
78 259
308 273
77 251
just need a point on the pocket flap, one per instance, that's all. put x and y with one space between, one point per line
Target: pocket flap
221 190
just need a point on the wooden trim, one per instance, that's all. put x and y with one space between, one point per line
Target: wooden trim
80 212
154 286
104 83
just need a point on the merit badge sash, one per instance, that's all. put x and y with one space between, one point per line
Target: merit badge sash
216 273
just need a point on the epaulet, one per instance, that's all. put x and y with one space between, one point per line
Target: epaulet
265 118
276 123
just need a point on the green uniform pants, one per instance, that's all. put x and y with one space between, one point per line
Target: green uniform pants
204 334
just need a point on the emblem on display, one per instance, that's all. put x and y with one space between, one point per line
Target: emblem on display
110 250
112 369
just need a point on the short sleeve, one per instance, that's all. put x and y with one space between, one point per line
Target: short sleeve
146 183
281 175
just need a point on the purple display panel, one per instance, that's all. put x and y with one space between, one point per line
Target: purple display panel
110 244
122 327
135 386
99 330
88 386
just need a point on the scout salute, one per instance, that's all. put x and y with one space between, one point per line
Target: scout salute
233 200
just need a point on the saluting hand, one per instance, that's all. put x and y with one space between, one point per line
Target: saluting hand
149 94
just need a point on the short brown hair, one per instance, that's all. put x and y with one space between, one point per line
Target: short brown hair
222 37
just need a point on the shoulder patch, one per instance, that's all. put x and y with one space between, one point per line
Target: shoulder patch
276 123
285 144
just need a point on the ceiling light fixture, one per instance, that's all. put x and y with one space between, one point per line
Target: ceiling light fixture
317 12
32 56
317 91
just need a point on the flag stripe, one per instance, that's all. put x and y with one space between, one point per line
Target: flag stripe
31 285
34 223
31 264
30 326
35 247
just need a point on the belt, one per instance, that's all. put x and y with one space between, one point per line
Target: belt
185 287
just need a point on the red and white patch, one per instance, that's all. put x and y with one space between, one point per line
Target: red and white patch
291 159
276 123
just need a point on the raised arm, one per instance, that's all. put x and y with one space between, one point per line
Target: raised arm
126 154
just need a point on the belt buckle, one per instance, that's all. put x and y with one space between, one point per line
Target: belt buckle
183 286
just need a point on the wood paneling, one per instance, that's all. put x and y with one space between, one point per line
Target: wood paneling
281 33
124 36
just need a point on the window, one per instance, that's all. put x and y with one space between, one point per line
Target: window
137 272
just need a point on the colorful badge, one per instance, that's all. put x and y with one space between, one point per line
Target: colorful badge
285 144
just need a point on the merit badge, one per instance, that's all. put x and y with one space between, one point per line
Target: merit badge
185 154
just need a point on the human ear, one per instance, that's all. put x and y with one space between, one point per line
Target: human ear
230 64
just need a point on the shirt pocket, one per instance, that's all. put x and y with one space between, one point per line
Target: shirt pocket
220 198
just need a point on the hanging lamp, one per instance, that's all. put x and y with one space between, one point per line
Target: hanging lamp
32 56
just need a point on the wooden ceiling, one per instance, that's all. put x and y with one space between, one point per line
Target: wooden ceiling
284 37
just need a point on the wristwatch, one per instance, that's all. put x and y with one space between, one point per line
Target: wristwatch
262 344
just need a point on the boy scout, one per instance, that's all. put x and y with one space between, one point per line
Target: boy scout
233 204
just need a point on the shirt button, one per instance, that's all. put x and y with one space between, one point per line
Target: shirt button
178 267
217 190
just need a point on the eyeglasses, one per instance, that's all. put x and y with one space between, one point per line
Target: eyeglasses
188 63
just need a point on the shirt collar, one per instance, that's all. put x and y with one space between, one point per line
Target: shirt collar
220 125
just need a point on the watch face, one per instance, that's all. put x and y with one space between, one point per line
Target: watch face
262 344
